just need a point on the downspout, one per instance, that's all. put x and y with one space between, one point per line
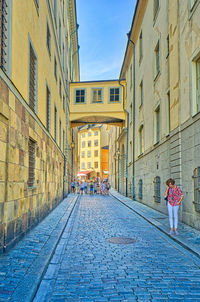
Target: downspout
127 139
133 176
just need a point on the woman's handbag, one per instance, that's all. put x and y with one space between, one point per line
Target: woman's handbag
166 198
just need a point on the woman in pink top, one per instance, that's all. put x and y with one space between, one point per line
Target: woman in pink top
174 197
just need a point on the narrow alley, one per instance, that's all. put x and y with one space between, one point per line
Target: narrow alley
104 252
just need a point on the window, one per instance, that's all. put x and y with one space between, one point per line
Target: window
157 125
36 4
89 143
167 50
48 40
157 59
63 140
48 103
168 114
192 3
130 151
131 113
55 124
156 8
31 160
55 11
131 75
89 133
96 95
89 165
5 35
82 165
157 189
32 78
198 84
83 144
141 93
83 135
140 46
60 34
140 189
114 94
63 102
96 153
55 68
60 134
89 153
196 177
83 154
96 164
60 88
141 140
96 142
96 133
80 96
63 62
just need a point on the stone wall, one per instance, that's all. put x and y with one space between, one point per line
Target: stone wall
21 206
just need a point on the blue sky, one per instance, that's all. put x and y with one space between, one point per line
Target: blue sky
103 25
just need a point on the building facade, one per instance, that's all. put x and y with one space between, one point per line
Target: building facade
162 140
38 59
93 140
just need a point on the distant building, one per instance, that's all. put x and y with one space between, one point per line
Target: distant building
92 140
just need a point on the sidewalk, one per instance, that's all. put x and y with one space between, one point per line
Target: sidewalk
188 237
22 268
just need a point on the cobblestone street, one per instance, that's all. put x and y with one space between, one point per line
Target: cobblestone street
87 267
70 256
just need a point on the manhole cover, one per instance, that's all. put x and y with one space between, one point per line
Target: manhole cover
121 240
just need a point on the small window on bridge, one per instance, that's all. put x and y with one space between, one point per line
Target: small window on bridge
114 94
80 96
96 95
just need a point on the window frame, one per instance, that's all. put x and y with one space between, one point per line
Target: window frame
92 95
157 125
157 68
48 108
31 170
35 105
141 140
196 186
96 143
48 41
109 94
75 92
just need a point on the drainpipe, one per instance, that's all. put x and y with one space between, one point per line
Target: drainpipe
133 176
127 139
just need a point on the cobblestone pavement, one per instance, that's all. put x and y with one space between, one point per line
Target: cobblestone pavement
87 267
188 237
22 267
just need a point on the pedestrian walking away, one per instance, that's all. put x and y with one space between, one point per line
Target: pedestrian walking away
174 196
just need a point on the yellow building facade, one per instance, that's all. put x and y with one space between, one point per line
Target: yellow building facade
161 137
39 57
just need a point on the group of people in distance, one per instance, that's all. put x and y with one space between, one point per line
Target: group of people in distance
93 186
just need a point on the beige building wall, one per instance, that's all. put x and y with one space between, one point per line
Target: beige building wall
164 135
35 156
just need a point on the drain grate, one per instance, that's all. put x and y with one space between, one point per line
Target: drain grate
121 240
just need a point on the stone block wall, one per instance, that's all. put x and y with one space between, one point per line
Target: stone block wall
21 206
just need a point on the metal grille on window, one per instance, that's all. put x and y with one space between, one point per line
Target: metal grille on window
157 189
140 191
3 33
48 109
31 171
196 177
32 79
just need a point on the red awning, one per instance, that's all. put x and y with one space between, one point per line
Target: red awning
82 173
